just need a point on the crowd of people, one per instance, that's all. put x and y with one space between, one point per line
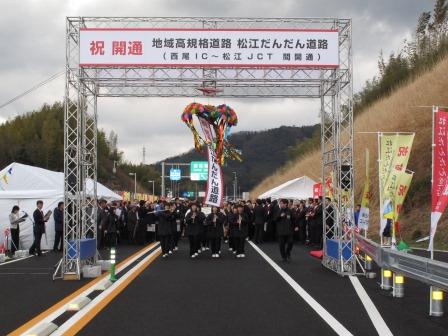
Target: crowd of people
168 221
236 222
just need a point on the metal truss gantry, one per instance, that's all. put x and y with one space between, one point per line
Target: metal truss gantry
84 85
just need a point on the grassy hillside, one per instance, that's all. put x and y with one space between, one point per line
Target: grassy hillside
400 111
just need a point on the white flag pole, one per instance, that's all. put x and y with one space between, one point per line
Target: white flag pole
380 185
434 110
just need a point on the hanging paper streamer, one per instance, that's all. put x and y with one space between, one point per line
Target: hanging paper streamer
221 119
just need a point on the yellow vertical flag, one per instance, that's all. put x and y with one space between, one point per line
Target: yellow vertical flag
398 167
388 145
363 219
387 148
398 163
394 156
404 182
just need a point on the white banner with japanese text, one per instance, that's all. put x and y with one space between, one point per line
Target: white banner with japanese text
215 183
209 47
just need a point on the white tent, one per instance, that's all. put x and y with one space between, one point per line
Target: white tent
23 185
299 188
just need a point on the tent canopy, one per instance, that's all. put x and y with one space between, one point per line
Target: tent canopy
23 185
21 181
299 188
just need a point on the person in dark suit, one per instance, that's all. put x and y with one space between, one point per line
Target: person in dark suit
301 221
239 229
259 220
215 230
58 216
285 230
102 223
132 223
146 217
38 228
112 229
317 224
272 215
194 221
165 229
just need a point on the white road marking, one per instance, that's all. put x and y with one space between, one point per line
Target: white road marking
323 313
86 310
90 289
375 316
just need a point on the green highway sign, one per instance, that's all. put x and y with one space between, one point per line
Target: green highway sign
198 170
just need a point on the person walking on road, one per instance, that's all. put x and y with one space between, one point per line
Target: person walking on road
239 229
215 230
259 220
285 230
194 222
165 230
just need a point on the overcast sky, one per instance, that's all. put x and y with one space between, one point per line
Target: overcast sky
32 40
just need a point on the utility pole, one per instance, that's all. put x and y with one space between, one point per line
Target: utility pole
143 155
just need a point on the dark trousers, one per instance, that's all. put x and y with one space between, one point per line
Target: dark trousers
174 240
150 237
302 231
316 233
239 244
57 241
285 243
205 242
270 231
15 233
36 244
232 243
165 242
258 235
195 244
251 231
100 239
215 244
111 239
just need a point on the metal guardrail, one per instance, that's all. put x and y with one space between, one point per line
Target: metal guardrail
431 272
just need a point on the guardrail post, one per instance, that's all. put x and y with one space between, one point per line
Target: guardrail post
368 265
398 289
112 277
386 279
436 302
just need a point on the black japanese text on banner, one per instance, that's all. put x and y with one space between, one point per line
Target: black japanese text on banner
215 185
209 47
